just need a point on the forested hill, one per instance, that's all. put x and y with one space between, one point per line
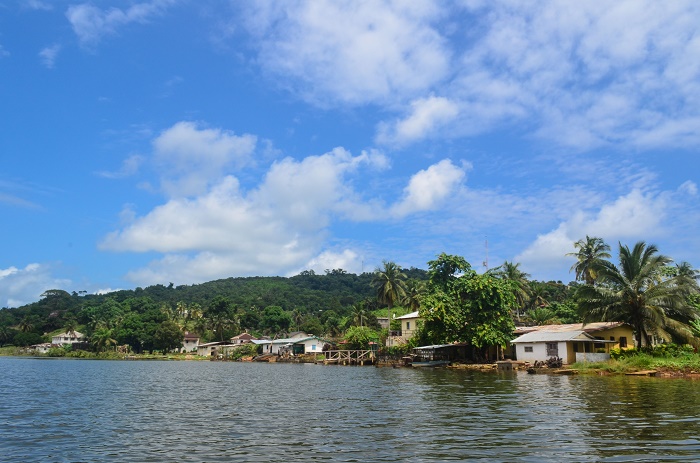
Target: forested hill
307 294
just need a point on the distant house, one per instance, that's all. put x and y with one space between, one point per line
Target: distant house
243 338
190 342
41 348
68 339
301 343
214 349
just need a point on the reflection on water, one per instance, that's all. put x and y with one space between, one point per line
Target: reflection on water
71 410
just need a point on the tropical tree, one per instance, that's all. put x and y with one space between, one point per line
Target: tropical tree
415 289
390 283
591 252
70 326
359 314
26 325
639 293
542 316
102 338
510 271
463 306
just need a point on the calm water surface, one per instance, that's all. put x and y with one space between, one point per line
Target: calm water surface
144 411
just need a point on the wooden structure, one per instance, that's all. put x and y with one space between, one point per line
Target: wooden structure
349 357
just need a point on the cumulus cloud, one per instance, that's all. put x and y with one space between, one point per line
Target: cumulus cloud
609 73
190 157
274 228
638 215
427 115
429 187
48 55
20 286
353 52
91 23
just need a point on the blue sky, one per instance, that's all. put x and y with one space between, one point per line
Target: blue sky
186 141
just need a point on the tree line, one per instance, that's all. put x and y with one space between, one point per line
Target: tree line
646 289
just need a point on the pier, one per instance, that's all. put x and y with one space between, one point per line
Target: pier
349 357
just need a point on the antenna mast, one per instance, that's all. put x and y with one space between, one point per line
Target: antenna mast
486 248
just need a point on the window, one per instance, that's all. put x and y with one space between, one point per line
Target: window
313 347
623 341
612 338
552 349
408 326
528 348
598 345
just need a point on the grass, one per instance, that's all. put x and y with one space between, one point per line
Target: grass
685 363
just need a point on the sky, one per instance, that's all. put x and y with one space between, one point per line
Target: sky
183 141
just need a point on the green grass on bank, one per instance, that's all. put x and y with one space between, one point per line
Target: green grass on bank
641 361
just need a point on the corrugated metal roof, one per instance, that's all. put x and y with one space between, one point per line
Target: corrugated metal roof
409 315
588 327
553 336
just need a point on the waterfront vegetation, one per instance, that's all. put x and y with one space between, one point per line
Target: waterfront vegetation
656 296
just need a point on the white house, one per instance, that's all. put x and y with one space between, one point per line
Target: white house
65 339
190 342
294 345
542 345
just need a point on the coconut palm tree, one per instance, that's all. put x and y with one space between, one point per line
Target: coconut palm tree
591 252
359 314
512 272
639 293
102 338
390 283
70 325
414 291
26 325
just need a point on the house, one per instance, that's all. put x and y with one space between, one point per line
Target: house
190 342
243 338
41 348
619 332
571 346
296 345
409 324
215 348
65 339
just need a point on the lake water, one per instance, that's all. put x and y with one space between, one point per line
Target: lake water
59 410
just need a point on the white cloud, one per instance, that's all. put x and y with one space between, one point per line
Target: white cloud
129 167
347 260
20 286
91 23
429 187
190 157
273 229
354 52
49 54
635 216
426 117
38 5
3 52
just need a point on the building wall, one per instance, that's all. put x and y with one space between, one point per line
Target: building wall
539 352
409 327
621 331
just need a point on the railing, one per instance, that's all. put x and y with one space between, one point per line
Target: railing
349 357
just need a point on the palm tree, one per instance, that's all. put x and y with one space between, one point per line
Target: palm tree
25 325
638 293
591 252
102 338
70 325
414 291
390 285
542 316
510 271
359 314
